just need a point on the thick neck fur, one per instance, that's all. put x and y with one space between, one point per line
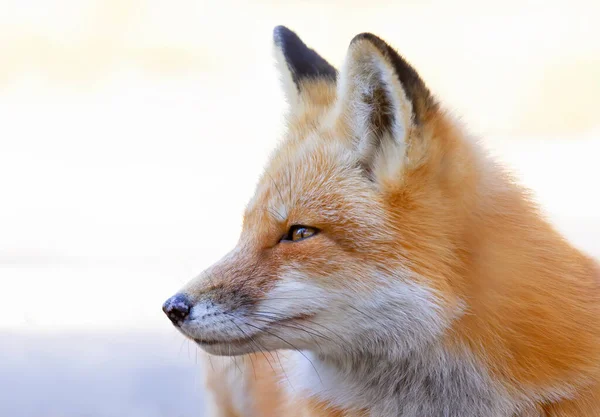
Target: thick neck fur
429 382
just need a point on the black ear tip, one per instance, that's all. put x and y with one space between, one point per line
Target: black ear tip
365 35
373 39
415 88
279 32
302 61
283 36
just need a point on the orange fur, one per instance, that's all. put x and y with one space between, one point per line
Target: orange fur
530 301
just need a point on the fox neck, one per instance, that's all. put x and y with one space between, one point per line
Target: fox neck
431 381
532 315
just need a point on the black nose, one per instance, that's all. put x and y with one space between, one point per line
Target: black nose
177 308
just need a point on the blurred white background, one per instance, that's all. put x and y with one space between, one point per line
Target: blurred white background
132 133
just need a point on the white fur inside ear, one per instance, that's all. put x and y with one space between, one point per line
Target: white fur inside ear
290 88
401 105
365 76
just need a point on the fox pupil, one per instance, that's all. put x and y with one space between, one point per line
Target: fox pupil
300 233
297 233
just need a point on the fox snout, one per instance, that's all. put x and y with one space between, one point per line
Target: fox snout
210 315
197 304
214 308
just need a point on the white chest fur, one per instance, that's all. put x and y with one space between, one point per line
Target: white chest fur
430 383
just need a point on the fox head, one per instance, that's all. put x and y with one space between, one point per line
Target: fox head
352 239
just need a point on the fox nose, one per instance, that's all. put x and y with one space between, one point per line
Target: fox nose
177 308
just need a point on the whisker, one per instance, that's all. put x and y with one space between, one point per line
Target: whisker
235 363
312 335
234 360
297 326
249 279
252 341
210 362
278 192
289 344
276 316
284 373
181 347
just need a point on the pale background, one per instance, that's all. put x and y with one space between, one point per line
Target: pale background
132 133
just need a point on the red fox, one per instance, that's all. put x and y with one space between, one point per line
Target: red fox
388 267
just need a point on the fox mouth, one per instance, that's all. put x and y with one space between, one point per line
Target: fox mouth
239 341
250 338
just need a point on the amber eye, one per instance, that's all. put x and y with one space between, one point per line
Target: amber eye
297 233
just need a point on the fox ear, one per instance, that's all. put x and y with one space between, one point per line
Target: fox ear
382 100
300 67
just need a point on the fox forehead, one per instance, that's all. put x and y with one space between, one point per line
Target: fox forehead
313 180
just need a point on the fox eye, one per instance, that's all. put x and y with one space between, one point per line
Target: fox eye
297 233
